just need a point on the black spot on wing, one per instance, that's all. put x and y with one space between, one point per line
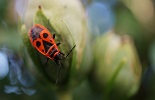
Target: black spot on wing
38 44
45 35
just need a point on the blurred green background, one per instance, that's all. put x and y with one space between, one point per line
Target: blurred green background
134 18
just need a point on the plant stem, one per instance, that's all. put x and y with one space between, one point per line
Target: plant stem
64 95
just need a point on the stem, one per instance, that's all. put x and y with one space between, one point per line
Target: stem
64 95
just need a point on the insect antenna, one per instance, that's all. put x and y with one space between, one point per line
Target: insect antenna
70 51
58 73
61 66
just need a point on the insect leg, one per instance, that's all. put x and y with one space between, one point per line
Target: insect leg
46 60
53 36
62 53
58 43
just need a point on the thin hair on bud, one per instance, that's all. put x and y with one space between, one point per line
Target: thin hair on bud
68 29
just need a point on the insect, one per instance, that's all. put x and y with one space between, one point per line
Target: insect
44 42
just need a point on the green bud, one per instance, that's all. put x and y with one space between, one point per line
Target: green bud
117 70
67 20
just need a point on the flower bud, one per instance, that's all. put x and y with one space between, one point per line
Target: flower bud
67 21
117 70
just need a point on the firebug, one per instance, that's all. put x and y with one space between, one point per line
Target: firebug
44 42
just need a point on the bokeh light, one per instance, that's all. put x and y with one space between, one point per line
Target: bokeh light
4 65
100 18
